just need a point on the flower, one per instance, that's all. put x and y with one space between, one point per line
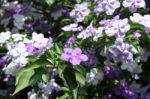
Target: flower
87 32
39 40
70 41
144 20
123 89
4 36
137 34
118 28
94 77
73 56
98 33
72 27
134 4
121 51
80 11
48 88
108 6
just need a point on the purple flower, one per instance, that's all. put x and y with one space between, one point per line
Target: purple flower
122 89
137 34
134 4
121 51
118 28
110 72
70 41
2 61
87 32
108 6
73 56
30 48
80 11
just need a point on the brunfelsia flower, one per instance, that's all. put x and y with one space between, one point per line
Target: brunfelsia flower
118 28
133 5
98 33
73 56
144 20
72 27
70 41
121 52
4 37
80 11
88 32
94 77
39 40
123 89
108 6
48 88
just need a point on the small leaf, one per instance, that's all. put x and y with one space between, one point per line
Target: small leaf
45 77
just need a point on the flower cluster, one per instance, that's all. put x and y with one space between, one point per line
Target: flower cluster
75 49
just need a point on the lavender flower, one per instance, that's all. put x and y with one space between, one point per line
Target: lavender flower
108 6
48 88
39 40
121 51
118 28
144 20
80 11
88 32
73 56
137 34
98 33
134 4
70 41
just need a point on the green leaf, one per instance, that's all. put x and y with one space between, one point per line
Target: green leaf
32 66
32 58
45 77
23 80
70 78
49 2
80 77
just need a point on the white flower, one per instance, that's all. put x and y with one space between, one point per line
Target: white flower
4 36
11 69
21 61
118 28
72 27
18 50
32 95
144 20
39 40
94 77
98 33
17 37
